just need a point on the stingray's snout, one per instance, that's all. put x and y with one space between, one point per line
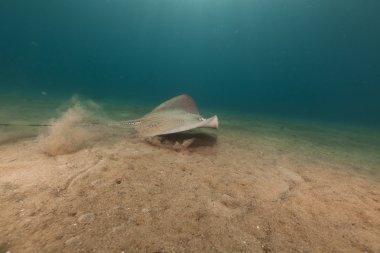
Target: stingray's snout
212 122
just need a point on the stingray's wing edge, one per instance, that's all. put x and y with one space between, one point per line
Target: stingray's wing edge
182 102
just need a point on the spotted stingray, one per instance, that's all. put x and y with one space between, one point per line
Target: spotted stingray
175 115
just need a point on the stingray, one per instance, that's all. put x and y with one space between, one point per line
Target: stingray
175 115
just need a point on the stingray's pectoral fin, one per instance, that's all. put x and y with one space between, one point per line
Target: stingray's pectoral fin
212 122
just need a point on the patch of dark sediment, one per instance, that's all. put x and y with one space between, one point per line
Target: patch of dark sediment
78 127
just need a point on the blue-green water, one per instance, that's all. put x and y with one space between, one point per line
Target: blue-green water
317 60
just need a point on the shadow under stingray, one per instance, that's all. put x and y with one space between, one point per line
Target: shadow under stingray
190 141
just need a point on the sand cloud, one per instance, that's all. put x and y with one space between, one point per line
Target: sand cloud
70 132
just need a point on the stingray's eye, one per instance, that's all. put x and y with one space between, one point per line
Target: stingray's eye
201 119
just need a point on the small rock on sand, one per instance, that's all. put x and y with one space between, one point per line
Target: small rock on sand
86 218
73 240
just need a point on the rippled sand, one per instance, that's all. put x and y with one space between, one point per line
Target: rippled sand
254 185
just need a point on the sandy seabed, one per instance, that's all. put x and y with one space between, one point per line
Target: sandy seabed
251 186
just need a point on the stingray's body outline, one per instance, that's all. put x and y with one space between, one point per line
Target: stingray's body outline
175 115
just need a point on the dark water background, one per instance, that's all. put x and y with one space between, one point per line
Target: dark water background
299 58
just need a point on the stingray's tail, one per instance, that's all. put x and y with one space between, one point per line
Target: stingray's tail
122 124
89 124
25 125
